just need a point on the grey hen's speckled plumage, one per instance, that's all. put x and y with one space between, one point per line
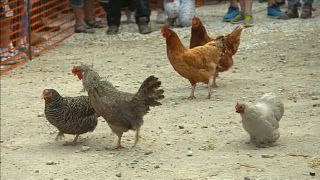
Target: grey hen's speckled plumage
71 115
123 111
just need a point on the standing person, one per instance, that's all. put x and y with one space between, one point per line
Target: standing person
113 9
273 11
306 9
245 14
84 16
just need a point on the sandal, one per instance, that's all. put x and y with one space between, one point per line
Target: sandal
94 24
83 29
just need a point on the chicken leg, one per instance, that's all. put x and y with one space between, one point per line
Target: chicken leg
74 142
136 137
118 145
211 80
59 136
193 87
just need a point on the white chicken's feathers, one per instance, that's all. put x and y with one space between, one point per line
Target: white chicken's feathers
261 120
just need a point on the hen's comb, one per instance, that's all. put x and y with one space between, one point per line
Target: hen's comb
74 70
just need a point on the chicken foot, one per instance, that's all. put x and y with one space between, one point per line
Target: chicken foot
211 80
193 87
59 136
136 140
214 84
74 142
118 145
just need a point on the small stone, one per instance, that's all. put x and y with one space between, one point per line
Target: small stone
312 173
156 166
168 143
190 153
118 174
85 148
40 114
314 98
181 127
203 127
148 152
51 163
36 171
268 155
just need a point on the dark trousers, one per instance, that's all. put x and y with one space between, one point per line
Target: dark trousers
113 9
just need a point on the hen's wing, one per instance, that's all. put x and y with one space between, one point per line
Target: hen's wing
202 57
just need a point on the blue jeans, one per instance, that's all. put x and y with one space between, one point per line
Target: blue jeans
294 2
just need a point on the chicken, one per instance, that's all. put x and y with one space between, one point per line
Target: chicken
180 12
123 111
70 115
230 43
261 120
197 64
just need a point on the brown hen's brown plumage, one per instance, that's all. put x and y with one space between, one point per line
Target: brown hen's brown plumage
197 64
230 43
123 111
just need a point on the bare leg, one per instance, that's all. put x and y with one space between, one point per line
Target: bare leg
248 7
242 5
234 3
136 137
79 15
118 145
210 86
59 136
193 87
88 10
74 142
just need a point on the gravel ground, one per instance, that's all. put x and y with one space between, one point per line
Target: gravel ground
182 139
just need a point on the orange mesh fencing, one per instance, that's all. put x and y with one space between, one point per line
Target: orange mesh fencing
28 28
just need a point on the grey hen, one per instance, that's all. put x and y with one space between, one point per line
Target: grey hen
71 115
123 111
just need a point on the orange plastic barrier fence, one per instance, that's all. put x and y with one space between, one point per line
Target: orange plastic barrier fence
29 28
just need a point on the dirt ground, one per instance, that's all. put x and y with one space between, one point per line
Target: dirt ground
182 139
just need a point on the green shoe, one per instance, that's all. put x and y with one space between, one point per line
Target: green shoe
248 21
238 19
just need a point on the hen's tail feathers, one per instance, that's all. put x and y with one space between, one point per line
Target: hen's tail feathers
232 40
275 103
150 92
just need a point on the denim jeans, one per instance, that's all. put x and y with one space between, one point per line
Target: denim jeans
294 2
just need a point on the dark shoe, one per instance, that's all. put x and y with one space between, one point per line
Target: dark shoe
306 11
83 29
144 27
94 24
292 11
113 30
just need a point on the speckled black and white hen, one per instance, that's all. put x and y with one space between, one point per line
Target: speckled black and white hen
70 115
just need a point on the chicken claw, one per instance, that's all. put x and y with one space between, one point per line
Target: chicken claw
74 142
59 136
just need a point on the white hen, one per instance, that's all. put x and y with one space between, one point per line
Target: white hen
261 120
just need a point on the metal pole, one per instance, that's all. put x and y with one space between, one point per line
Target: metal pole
29 3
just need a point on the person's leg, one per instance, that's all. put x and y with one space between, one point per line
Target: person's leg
143 13
131 11
240 16
274 11
248 19
233 11
292 11
113 9
306 11
89 15
80 27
